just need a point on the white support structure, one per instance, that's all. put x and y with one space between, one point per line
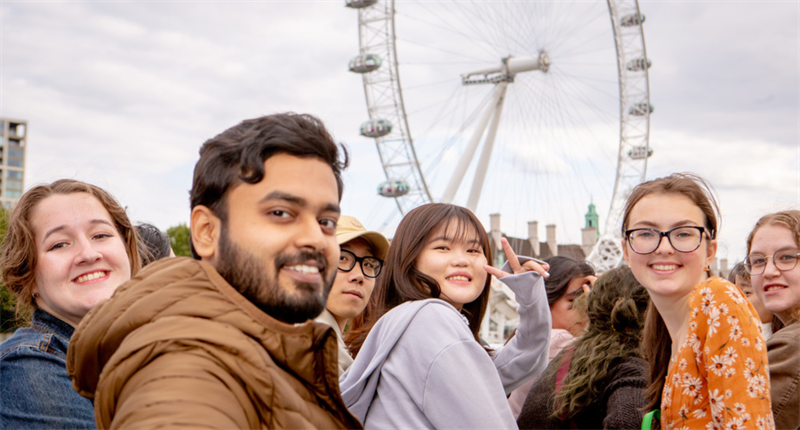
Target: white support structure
500 75
385 101
469 152
486 153
634 90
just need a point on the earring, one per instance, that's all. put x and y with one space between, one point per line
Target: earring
707 269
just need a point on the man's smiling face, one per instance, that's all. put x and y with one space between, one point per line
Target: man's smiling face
278 244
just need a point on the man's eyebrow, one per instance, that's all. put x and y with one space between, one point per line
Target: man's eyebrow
299 201
332 207
280 195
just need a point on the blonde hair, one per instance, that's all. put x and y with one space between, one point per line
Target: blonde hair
18 256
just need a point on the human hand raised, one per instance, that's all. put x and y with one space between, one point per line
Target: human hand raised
588 283
516 267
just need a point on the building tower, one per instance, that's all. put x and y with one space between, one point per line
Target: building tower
593 219
13 136
591 233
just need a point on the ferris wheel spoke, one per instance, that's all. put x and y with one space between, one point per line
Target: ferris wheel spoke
582 47
441 50
464 126
446 26
604 92
567 36
472 33
580 121
474 21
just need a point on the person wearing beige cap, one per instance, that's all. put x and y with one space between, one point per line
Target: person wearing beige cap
360 262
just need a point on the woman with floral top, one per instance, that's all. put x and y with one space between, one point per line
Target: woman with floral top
708 359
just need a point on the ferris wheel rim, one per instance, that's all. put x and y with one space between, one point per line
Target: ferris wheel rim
614 7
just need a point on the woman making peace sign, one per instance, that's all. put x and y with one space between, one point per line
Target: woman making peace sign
419 362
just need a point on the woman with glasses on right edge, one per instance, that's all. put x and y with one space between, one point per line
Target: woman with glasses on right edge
707 356
773 249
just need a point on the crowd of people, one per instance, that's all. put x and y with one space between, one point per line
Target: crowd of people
292 315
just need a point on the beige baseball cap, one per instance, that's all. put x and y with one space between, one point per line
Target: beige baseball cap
350 228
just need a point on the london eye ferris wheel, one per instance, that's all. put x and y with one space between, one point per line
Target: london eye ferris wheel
554 94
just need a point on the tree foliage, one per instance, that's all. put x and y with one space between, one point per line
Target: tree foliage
179 239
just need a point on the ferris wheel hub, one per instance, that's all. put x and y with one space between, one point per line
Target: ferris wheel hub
508 68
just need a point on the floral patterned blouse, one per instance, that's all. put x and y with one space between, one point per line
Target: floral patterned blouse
719 378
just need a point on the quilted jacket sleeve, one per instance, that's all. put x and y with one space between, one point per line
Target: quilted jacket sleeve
185 377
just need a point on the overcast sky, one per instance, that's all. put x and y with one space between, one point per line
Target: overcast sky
122 94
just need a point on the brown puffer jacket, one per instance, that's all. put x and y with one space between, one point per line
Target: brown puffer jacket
177 346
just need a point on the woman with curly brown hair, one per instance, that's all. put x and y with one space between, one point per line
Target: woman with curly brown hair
69 245
599 381
568 280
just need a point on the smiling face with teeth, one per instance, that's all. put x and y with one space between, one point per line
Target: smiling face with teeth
81 257
455 260
276 241
666 272
778 290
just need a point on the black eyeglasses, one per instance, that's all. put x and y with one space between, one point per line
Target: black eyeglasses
647 240
370 266
783 260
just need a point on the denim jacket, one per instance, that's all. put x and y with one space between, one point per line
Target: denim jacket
35 389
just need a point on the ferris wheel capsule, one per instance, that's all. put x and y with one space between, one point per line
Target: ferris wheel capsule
640 109
359 4
639 64
640 153
393 188
376 128
364 63
631 20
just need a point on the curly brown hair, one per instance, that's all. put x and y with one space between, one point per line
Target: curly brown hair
615 308
18 256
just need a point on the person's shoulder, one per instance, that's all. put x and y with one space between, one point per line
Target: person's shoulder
789 333
434 317
630 367
25 341
438 310
32 346
719 290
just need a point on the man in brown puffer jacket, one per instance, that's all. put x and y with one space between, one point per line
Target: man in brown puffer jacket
224 340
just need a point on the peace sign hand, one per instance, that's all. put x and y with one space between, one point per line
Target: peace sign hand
516 268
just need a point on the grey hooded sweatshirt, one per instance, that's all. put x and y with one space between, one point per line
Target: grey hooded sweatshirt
420 366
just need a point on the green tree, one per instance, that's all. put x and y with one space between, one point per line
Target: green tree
179 239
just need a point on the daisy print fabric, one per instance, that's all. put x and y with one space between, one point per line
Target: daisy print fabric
719 378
